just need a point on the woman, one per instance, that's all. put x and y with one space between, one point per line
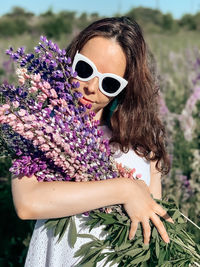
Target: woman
111 62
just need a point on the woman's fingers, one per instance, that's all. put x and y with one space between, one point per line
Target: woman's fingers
133 229
161 212
160 227
146 231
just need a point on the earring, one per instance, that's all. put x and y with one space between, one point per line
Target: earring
113 106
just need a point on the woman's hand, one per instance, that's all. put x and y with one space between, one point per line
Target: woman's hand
141 208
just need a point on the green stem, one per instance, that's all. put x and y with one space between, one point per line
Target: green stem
186 247
190 220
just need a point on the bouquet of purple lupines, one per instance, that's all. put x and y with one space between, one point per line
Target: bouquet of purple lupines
51 134
45 124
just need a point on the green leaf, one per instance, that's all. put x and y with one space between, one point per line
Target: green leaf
109 221
114 240
83 250
176 215
138 259
133 252
106 216
124 246
51 223
117 259
147 256
92 262
109 258
64 228
157 249
155 233
122 236
72 232
88 236
162 254
90 255
59 226
181 220
138 241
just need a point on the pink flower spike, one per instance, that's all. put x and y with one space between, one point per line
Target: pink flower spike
42 97
27 126
35 142
3 119
19 127
22 112
41 140
49 129
21 81
23 70
53 93
33 83
46 85
33 89
39 133
26 76
12 117
15 104
44 147
5 107
54 102
45 91
63 103
29 135
11 123
139 175
36 77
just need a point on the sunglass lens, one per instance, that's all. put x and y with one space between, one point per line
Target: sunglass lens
110 85
83 69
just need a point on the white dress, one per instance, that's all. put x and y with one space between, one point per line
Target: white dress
45 251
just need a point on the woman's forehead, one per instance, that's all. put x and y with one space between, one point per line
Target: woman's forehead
106 54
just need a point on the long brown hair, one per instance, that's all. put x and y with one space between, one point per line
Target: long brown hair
134 122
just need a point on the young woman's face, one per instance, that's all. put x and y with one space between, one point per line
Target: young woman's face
108 57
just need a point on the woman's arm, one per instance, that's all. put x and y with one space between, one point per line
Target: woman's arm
41 200
37 200
155 181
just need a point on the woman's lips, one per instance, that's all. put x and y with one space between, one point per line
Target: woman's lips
85 101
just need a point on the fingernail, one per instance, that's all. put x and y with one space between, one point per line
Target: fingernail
167 240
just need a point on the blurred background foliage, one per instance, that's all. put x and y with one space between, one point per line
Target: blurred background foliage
175 46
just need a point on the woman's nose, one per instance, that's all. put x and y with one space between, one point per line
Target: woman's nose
92 85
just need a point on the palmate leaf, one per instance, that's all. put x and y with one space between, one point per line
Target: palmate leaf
58 226
157 254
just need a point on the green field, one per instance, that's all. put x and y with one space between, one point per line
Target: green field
175 55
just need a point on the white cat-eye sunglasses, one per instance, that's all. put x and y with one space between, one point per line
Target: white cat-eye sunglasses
109 84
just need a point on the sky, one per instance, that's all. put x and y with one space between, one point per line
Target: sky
104 7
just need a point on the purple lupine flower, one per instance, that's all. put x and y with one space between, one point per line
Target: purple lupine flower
78 134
